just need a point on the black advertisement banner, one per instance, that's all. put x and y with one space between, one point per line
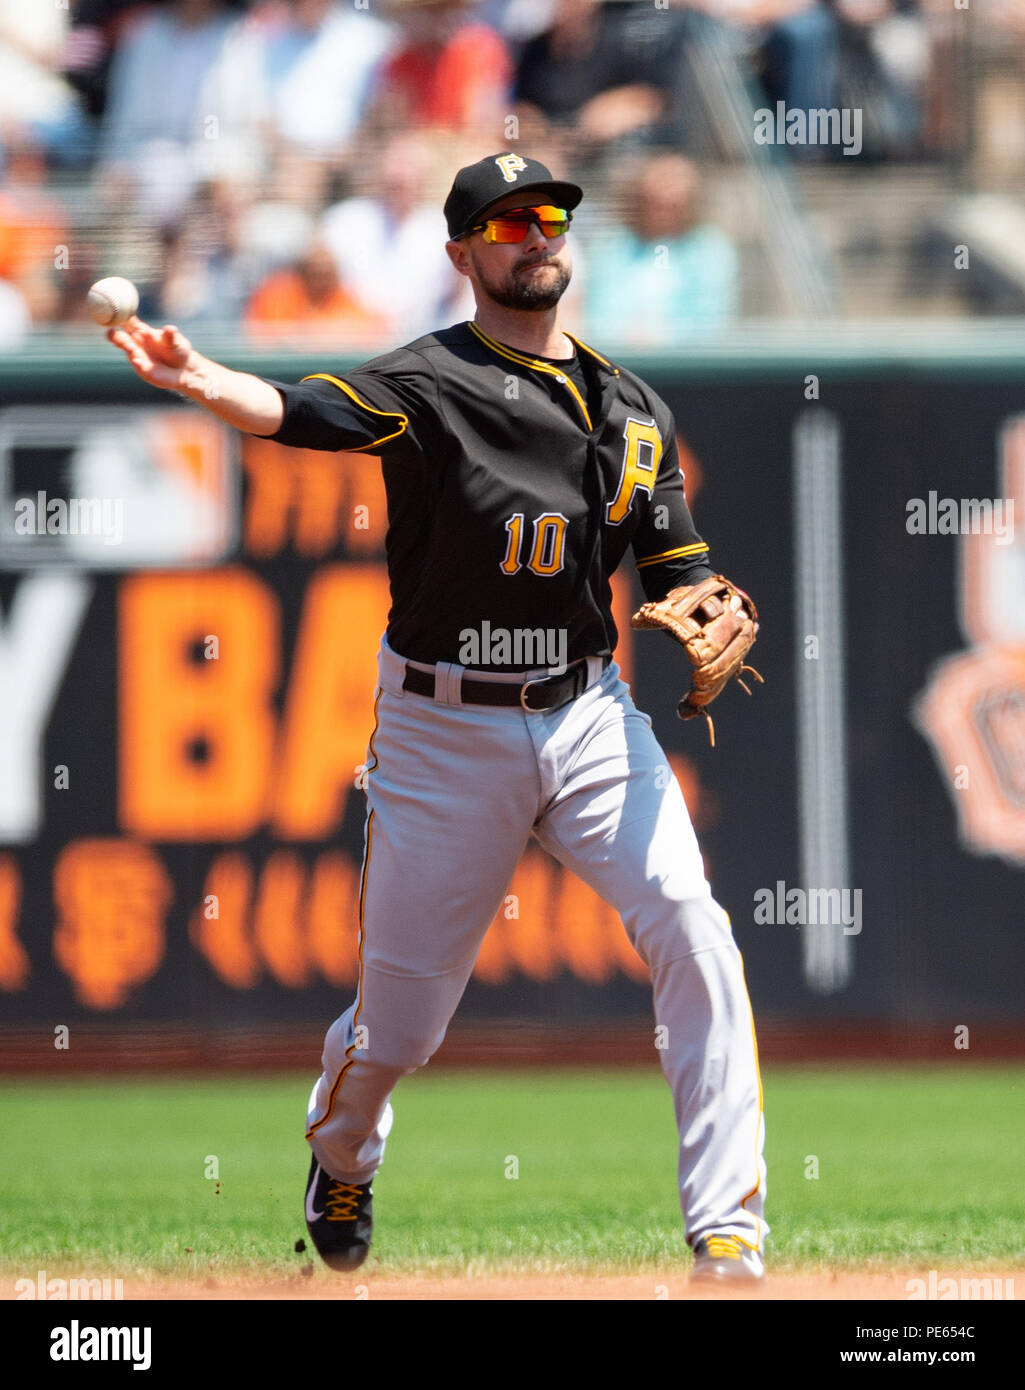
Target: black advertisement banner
190 621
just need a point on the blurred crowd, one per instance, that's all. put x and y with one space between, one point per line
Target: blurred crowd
277 167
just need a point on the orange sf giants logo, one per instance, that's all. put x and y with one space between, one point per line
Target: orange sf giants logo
111 897
973 708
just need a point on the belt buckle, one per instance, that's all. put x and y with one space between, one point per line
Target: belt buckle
523 690
579 685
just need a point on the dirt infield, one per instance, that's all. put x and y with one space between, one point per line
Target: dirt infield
800 1287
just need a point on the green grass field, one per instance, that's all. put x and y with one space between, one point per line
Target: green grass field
915 1167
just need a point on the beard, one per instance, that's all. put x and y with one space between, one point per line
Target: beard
530 292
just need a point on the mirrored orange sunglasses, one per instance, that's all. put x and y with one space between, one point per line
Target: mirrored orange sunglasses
512 226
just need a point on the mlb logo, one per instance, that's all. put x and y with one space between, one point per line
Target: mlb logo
115 488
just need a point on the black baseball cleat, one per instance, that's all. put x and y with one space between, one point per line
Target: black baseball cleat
339 1218
726 1260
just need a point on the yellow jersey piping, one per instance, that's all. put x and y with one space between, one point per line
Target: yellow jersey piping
536 365
603 360
370 745
389 414
696 548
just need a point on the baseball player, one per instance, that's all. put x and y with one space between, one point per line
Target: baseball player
520 466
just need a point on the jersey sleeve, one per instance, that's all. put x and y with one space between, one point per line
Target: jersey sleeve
387 407
667 549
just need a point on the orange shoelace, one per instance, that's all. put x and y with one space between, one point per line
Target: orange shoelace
724 1247
342 1200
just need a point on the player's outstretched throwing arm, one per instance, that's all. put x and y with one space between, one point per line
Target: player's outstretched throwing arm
321 412
165 358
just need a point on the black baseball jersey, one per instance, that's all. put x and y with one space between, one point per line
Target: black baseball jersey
515 486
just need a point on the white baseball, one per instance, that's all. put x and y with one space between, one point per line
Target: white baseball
113 301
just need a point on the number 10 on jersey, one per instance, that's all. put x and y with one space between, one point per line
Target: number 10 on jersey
547 545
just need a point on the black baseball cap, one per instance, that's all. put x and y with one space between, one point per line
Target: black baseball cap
490 180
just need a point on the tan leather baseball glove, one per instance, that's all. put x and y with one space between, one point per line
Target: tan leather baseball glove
716 624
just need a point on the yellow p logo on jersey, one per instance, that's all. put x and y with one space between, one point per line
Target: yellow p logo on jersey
510 165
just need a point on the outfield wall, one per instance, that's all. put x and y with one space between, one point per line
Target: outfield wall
186 688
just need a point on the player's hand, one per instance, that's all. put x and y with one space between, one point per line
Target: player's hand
161 356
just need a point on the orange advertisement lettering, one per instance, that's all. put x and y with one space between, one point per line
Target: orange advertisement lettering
314 499
219 926
286 920
277 919
14 963
198 665
332 931
328 716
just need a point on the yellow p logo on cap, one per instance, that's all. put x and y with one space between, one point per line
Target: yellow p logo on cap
510 165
